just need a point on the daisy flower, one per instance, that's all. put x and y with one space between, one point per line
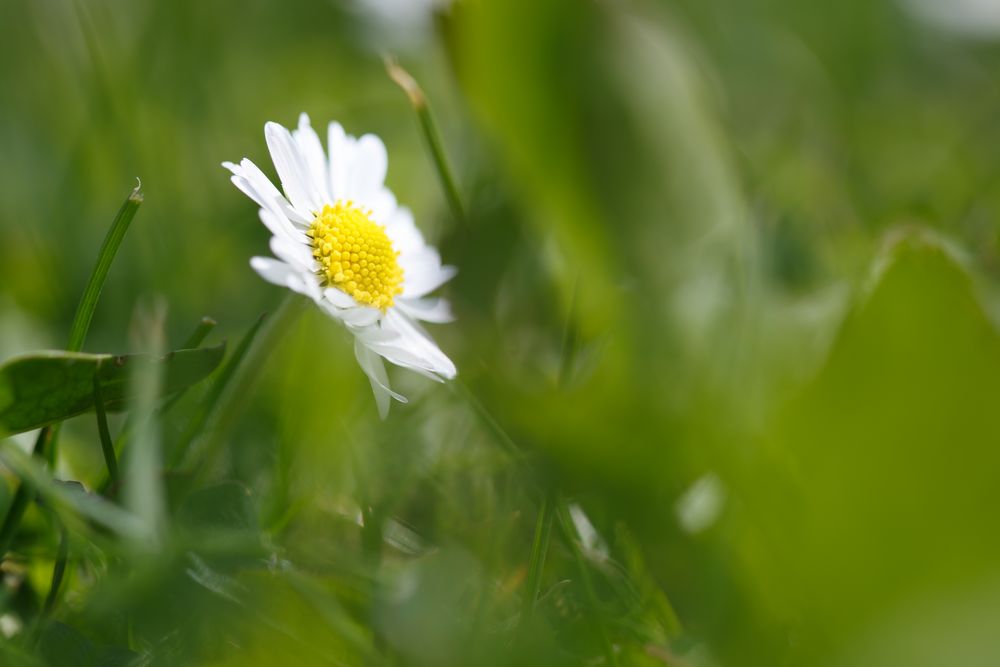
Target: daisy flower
340 238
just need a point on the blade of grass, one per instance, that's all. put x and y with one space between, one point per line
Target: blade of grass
431 135
58 570
23 497
69 500
536 562
143 491
199 334
107 445
209 405
91 293
256 347
45 443
108 487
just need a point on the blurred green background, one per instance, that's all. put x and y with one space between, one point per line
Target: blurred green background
729 280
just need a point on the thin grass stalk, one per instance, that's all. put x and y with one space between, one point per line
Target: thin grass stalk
107 444
430 133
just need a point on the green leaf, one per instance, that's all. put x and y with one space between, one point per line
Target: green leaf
888 459
46 387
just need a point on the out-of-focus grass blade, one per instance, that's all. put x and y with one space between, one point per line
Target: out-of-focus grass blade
70 498
208 405
143 490
46 387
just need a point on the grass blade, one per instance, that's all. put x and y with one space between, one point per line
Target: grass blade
88 302
208 406
199 334
107 445
431 135
539 549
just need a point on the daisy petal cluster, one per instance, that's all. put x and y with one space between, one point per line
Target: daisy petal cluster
340 238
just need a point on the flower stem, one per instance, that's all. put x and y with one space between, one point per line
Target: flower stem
58 570
430 131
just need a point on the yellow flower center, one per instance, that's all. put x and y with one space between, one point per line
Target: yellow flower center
356 254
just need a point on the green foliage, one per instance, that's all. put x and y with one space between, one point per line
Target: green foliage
46 387
728 293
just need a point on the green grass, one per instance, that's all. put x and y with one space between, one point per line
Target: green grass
749 242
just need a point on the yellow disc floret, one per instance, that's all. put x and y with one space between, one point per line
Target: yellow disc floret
356 255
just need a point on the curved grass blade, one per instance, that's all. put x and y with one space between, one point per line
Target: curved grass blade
88 302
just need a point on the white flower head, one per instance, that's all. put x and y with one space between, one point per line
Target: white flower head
340 238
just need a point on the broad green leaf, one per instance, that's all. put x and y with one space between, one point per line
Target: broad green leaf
887 462
46 387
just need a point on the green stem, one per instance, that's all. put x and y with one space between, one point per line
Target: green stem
107 445
539 549
431 135
25 494
58 570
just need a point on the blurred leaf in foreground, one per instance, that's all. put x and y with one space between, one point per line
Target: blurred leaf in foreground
890 459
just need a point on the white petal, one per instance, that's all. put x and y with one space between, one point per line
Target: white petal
284 275
279 226
361 316
312 152
417 283
368 167
340 148
299 220
428 310
339 298
383 206
412 348
295 254
272 270
373 367
403 232
253 183
292 170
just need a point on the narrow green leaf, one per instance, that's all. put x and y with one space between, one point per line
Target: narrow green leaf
70 499
208 406
88 302
107 445
418 101
204 327
46 387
